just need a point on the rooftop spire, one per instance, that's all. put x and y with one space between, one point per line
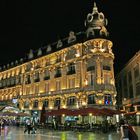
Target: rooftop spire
95 9
96 23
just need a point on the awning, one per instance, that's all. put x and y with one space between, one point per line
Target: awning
130 113
23 114
82 112
8 113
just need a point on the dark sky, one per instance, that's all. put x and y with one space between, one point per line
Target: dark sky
27 24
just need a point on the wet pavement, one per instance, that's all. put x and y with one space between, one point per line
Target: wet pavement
14 133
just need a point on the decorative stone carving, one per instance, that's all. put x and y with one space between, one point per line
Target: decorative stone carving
39 53
21 60
96 23
59 44
71 37
16 62
48 48
30 55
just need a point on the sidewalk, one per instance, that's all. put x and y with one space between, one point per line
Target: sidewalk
17 133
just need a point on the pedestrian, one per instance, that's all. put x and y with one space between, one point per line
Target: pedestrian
124 130
28 126
127 131
33 128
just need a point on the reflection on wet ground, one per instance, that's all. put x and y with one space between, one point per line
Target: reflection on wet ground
15 133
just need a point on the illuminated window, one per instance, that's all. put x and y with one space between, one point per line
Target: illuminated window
36 78
107 99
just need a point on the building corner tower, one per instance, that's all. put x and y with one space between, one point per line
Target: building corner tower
98 51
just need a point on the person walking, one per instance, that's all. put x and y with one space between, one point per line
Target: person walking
28 126
127 131
124 130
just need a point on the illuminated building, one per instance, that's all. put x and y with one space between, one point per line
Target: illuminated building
128 86
74 72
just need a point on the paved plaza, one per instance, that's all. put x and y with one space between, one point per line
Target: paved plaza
43 134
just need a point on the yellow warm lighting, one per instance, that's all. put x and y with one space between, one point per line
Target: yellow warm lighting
63 115
30 108
77 55
86 82
64 106
90 114
100 101
99 80
40 107
51 107
41 91
83 103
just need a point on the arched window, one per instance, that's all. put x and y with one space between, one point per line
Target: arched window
71 101
26 104
57 102
46 103
91 99
35 104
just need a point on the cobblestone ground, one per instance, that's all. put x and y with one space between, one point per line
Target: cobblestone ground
15 133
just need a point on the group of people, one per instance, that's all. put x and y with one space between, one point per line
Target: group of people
30 127
127 131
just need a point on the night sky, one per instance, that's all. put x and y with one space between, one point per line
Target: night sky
28 24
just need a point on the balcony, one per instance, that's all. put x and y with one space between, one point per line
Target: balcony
57 75
71 72
37 80
46 77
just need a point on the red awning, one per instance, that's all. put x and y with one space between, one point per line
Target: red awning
82 111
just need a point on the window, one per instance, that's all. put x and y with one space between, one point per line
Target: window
125 90
107 99
91 68
58 72
37 77
47 75
91 99
136 72
35 105
71 69
46 103
129 77
26 104
71 101
138 89
57 102
106 67
28 81
131 91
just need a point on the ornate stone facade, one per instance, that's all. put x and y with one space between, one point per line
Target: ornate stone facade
77 74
